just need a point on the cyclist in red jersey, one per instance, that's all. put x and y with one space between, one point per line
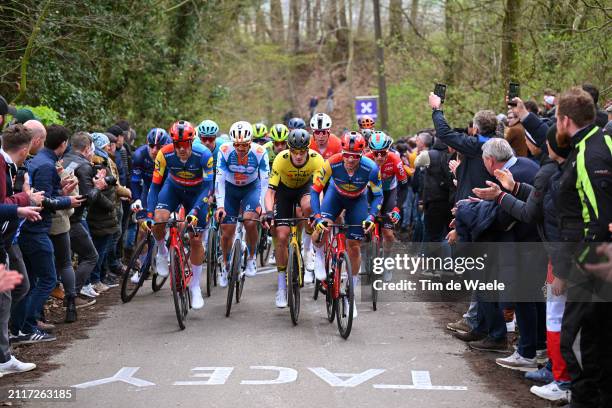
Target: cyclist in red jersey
323 141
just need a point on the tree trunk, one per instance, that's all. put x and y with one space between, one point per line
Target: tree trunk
414 14
261 28
316 18
380 61
349 64
341 34
509 46
276 21
310 34
361 19
395 19
294 28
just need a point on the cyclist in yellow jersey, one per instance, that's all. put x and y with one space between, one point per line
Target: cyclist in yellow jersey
278 141
289 185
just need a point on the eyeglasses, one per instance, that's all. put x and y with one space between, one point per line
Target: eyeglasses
321 132
380 153
351 155
207 138
182 144
154 146
242 145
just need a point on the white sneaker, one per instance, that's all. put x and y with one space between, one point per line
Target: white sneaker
135 278
281 298
197 301
551 392
354 309
89 291
308 276
511 326
518 362
223 277
251 268
319 268
162 265
15 366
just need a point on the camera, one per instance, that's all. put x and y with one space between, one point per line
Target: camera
110 180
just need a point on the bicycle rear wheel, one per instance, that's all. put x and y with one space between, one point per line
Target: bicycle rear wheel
241 277
233 273
176 284
263 247
293 283
345 303
129 288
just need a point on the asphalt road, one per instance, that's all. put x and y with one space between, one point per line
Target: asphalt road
137 357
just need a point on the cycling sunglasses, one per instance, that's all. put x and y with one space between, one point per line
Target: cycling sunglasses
153 146
351 155
380 153
207 138
182 144
242 144
321 132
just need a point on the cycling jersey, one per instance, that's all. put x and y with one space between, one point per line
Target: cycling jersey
392 171
271 153
142 174
286 173
352 187
188 179
240 172
334 146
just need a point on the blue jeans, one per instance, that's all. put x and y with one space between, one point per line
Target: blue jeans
531 320
103 245
37 251
491 320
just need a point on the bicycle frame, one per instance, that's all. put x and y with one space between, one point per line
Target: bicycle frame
177 243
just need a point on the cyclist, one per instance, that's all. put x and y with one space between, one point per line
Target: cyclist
323 141
260 134
349 175
289 185
278 141
394 185
182 176
365 122
367 134
296 123
143 164
241 183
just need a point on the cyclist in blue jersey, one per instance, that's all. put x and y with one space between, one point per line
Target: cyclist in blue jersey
349 175
182 176
208 136
241 184
143 164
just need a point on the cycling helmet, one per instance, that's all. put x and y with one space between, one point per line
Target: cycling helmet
241 132
298 139
158 136
260 131
379 141
207 128
320 121
367 134
353 142
181 131
279 132
366 122
296 123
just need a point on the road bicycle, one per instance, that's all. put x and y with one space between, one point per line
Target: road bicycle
295 266
338 286
237 266
374 249
213 251
264 246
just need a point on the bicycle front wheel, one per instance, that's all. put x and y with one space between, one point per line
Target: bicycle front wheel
346 301
293 282
373 252
234 272
128 287
178 290
211 258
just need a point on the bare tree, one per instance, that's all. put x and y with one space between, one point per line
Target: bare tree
414 14
294 25
360 21
509 46
380 61
395 19
276 21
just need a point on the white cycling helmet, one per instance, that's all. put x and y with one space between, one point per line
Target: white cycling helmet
241 132
320 121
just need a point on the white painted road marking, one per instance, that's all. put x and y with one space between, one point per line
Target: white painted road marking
218 376
123 375
335 380
421 380
285 375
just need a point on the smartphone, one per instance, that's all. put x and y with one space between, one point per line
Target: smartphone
440 90
514 91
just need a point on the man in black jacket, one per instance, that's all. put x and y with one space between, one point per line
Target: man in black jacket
78 161
585 212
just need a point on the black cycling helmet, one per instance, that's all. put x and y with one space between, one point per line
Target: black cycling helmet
296 123
298 139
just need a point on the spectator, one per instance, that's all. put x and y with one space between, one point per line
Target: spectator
34 239
329 105
22 116
79 160
101 219
515 135
39 134
549 105
312 105
4 109
601 117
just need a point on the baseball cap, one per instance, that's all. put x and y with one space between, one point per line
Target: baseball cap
23 115
6 108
